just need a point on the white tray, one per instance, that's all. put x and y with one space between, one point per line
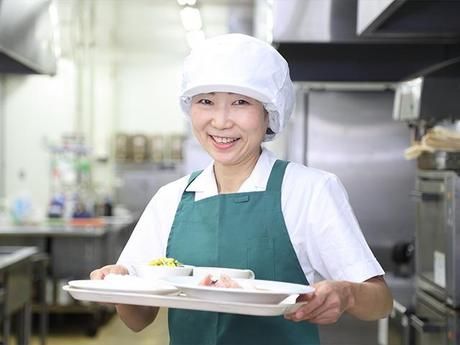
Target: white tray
183 302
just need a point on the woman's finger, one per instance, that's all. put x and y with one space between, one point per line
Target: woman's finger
104 271
314 302
324 311
96 275
329 311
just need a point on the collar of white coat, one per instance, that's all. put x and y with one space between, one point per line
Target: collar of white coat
205 184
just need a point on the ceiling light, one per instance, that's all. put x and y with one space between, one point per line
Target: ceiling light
54 18
191 18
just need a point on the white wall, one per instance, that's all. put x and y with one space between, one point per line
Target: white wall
37 110
147 95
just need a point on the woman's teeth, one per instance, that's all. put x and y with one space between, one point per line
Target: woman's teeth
223 140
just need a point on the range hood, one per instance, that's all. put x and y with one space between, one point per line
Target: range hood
432 97
410 18
320 39
26 37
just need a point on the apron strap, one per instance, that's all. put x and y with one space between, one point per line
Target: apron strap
276 176
193 176
188 195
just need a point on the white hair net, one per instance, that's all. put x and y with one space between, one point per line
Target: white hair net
245 65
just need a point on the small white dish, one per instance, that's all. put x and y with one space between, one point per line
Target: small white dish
216 272
251 291
150 272
129 284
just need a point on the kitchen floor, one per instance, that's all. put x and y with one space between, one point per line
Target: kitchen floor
112 333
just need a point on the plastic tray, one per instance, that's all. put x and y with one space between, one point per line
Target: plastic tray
184 302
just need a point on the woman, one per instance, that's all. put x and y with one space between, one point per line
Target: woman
286 222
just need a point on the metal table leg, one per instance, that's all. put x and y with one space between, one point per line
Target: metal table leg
6 329
2 309
24 325
40 262
4 318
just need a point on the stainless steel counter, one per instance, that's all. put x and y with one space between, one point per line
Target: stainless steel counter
12 255
57 230
16 287
73 252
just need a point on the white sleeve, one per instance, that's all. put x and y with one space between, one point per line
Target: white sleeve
150 235
337 248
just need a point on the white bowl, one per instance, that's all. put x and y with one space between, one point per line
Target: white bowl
157 272
216 272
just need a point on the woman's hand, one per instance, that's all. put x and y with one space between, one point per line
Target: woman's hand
326 304
369 300
134 316
102 272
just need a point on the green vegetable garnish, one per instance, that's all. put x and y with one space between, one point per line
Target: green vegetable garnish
171 262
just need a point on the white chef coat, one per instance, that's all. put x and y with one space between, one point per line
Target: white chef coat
321 224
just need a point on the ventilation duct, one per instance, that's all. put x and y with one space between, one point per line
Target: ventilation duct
26 37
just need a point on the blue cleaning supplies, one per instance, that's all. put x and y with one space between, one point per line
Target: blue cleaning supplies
21 209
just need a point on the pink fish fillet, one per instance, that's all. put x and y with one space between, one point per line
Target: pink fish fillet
224 282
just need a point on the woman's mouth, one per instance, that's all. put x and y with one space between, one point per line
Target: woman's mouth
223 141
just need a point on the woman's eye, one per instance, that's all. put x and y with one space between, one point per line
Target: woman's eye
241 102
204 101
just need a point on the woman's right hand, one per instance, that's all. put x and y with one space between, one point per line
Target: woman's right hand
135 317
102 272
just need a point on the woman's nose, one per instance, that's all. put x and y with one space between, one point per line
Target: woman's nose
221 117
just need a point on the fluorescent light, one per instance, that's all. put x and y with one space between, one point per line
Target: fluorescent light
54 18
194 37
186 2
191 18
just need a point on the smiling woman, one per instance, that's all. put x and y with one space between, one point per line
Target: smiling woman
285 222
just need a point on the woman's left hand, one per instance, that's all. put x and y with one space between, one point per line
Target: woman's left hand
326 304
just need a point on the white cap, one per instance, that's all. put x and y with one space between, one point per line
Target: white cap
240 64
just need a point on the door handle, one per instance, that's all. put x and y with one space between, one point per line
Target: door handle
423 326
426 196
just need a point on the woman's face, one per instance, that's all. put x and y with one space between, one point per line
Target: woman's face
229 126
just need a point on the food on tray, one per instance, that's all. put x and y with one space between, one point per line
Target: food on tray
224 282
171 262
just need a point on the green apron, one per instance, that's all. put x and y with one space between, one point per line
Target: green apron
239 230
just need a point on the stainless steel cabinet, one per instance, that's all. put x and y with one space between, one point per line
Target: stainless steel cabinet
437 234
73 253
16 291
437 309
430 320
